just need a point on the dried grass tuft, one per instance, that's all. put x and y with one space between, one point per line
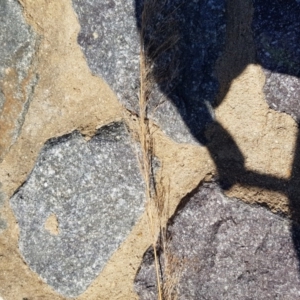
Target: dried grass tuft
158 37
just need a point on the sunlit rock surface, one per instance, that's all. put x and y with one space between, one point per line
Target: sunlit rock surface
109 38
224 248
17 71
96 192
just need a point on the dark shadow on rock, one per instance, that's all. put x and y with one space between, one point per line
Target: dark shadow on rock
185 72
257 32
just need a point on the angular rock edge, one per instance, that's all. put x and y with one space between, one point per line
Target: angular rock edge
68 181
182 92
220 246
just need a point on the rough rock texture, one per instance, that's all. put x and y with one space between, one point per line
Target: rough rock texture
2 222
110 41
277 38
17 71
96 192
227 250
283 93
68 97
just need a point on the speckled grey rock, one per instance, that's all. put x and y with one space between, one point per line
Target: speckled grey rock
276 29
3 224
16 38
109 39
228 250
95 190
282 93
18 43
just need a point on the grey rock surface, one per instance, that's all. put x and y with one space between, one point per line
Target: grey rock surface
227 250
3 224
282 92
95 190
17 76
277 38
109 38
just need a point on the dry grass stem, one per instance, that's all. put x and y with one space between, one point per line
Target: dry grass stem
156 40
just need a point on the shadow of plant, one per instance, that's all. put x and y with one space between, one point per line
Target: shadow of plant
265 33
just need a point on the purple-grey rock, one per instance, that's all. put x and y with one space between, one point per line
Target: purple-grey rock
227 250
185 83
95 190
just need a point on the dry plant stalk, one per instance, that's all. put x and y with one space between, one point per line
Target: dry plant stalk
146 145
155 40
172 265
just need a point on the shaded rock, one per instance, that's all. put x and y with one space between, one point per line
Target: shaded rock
227 250
17 71
277 38
93 191
109 38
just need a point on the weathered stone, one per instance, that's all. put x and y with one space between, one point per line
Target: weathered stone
110 41
277 38
282 93
3 224
17 74
94 191
226 250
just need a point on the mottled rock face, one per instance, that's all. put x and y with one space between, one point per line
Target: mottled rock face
17 72
93 191
277 38
80 200
3 224
282 93
109 38
226 249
